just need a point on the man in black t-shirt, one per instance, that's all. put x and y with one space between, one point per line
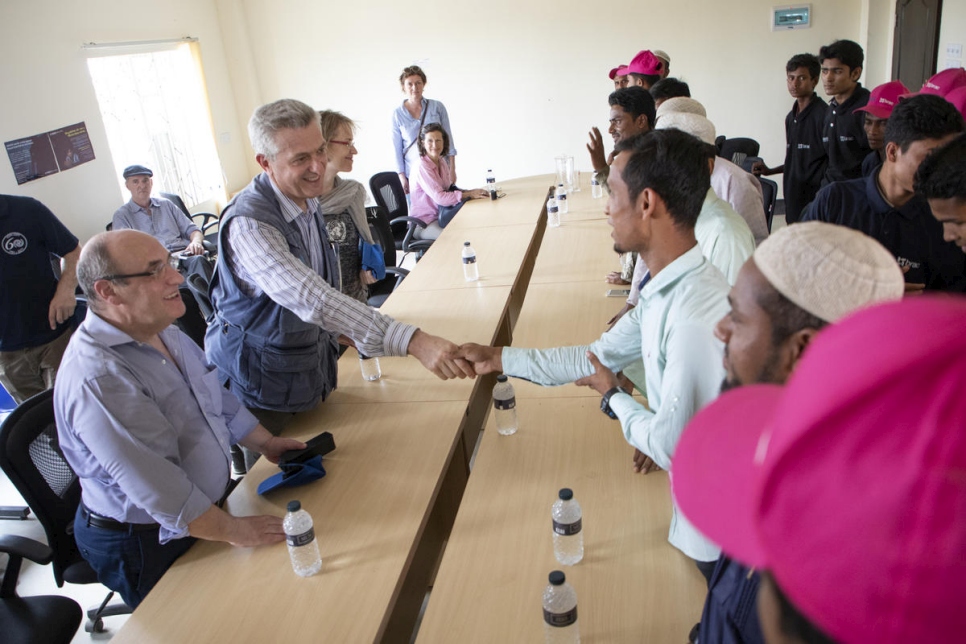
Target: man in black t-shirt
805 156
843 133
38 308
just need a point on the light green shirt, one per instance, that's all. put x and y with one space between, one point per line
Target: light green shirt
671 329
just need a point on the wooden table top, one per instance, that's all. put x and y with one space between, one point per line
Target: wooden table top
632 585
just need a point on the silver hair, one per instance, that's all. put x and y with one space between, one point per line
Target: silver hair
95 262
267 120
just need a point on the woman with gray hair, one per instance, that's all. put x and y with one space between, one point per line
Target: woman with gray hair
343 204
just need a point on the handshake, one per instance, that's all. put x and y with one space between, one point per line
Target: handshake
449 360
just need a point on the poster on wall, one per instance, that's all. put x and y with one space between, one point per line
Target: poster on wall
45 154
31 158
71 145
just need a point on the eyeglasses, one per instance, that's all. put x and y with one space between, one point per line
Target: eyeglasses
172 261
348 144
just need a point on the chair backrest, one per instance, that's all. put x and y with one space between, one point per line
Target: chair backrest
381 232
388 192
199 288
176 200
769 190
732 147
30 456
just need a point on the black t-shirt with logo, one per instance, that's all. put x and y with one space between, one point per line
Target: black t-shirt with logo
31 239
844 137
805 156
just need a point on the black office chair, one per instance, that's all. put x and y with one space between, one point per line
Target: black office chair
44 619
769 190
204 220
382 235
31 458
388 192
737 150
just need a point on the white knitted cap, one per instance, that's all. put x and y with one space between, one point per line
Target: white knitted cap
829 270
680 104
694 124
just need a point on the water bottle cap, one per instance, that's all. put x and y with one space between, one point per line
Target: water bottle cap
560 185
466 243
501 378
294 506
566 494
557 577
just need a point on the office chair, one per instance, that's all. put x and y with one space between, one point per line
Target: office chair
31 458
44 619
204 220
737 150
382 235
769 190
199 288
388 192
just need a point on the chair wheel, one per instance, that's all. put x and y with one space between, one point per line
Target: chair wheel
94 626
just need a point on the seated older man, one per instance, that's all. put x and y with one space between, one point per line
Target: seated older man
146 424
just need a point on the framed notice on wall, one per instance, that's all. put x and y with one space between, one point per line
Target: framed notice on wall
44 154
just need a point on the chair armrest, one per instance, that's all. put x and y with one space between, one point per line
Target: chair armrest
395 270
408 220
31 549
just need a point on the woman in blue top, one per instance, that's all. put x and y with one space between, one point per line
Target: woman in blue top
409 118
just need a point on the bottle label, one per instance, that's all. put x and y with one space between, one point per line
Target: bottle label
303 539
469 260
568 529
510 403
491 179
560 619
562 196
552 209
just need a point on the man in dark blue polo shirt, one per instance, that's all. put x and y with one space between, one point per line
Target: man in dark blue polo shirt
843 133
884 205
805 156
941 180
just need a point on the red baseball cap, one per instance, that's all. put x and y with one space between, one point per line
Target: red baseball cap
944 82
848 484
646 63
620 70
883 99
958 98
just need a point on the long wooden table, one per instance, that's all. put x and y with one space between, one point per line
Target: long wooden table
396 481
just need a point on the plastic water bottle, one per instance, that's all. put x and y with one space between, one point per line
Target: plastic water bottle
560 611
303 549
561 196
553 212
490 181
470 269
596 190
568 536
504 406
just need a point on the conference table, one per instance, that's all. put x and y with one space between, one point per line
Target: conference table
400 509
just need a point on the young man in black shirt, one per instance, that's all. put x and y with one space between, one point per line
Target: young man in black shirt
842 133
941 180
805 156
884 205
882 100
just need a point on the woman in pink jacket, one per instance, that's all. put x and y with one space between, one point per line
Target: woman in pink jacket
434 198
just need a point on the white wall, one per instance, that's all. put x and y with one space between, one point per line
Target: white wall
952 30
523 81
46 85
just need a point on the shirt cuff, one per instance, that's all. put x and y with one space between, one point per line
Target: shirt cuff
243 424
196 505
515 362
397 338
623 405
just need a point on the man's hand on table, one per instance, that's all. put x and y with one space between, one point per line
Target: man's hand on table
258 530
484 359
643 463
440 356
603 379
614 277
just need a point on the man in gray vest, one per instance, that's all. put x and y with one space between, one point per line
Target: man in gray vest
278 309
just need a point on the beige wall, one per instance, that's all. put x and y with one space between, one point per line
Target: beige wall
952 29
522 81
46 85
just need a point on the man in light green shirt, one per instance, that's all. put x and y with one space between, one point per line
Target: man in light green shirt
658 182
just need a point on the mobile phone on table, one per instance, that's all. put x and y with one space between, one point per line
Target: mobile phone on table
320 445
618 292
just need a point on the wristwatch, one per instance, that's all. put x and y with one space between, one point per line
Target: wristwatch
605 401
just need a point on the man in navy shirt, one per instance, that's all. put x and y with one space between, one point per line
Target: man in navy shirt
38 308
843 133
884 205
941 180
805 156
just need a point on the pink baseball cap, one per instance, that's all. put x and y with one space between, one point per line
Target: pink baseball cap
646 63
944 82
848 484
958 98
883 99
620 70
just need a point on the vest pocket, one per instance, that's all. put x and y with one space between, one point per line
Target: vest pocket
290 375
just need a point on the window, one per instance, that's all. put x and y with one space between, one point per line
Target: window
155 108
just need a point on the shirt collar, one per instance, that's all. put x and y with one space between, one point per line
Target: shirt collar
109 335
290 210
880 206
133 207
673 272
